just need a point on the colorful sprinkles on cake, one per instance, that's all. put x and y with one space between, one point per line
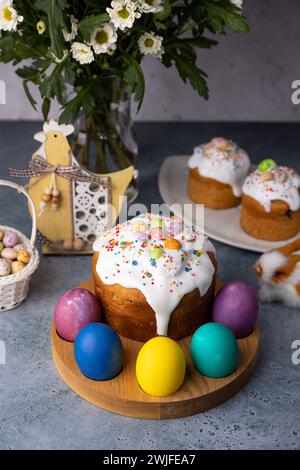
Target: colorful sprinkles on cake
159 256
270 182
222 160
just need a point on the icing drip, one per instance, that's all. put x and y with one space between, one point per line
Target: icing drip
223 161
278 184
159 256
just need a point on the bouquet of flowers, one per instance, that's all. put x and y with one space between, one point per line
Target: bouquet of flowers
76 43
72 48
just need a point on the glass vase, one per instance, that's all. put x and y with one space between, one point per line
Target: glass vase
105 142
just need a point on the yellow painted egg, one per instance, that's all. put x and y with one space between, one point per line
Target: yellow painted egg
160 366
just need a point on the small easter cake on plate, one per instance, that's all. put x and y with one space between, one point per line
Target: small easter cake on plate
217 171
271 202
154 276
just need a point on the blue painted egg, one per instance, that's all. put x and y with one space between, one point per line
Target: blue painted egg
99 352
214 350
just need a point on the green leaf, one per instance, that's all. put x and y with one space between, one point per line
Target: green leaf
202 42
29 95
54 10
54 85
219 14
90 22
7 53
162 15
46 108
93 21
135 80
198 11
83 100
29 74
188 71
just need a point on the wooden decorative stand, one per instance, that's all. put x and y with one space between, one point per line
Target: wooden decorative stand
123 395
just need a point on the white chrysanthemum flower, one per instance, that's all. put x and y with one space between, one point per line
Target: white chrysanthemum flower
123 13
103 38
82 53
150 6
70 36
150 44
237 3
9 17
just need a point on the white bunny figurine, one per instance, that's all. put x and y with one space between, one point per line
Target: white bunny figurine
279 273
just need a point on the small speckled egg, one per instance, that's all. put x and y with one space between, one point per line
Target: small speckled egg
140 226
78 244
156 252
9 253
5 267
68 245
158 233
23 257
266 165
219 141
281 177
17 266
157 222
10 239
141 236
267 176
175 228
19 247
172 244
1 235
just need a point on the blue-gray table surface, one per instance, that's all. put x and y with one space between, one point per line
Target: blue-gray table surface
39 411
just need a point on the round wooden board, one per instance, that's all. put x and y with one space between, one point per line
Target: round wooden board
123 395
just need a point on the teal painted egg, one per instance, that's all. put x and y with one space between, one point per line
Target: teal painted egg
214 350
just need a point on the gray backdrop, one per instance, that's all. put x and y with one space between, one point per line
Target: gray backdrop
250 75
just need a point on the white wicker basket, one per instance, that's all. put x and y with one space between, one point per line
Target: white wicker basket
14 288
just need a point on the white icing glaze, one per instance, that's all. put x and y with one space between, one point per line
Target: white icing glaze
127 258
223 161
283 185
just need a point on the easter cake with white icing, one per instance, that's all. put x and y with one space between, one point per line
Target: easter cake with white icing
271 202
154 276
217 171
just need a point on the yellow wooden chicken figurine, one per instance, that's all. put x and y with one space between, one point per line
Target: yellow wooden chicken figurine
73 205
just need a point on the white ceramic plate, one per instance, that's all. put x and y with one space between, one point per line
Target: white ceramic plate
220 225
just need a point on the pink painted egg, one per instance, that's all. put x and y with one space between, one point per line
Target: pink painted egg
10 239
74 310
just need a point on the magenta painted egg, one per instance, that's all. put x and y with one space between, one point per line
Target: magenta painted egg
236 306
74 310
